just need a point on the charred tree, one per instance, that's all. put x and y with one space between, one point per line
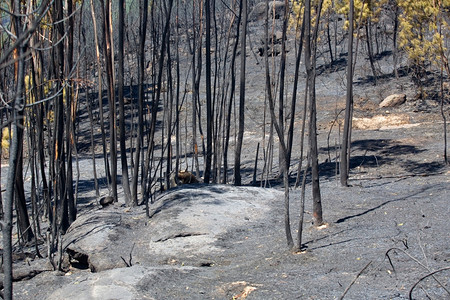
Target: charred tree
100 94
229 106
284 166
280 133
109 61
143 17
310 64
59 155
23 221
18 106
240 134
70 115
346 136
209 108
120 85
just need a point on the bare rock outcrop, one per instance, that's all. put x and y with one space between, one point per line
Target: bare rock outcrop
258 12
90 239
393 100
184 221
119 253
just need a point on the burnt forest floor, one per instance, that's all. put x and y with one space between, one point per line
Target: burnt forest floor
397 203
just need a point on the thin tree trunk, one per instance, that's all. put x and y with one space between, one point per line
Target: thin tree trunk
330 49
35 212
155 105
240 136
302 205
59 152
122 129
209 108
177 99
147 157
109 61
33 133
23 220
218 89
70 115
310 57
141 76
196 76
394 38
230 102
344 166
287 222
40 112
444 64
9 195
302 138
25 232
294 95
18 106
94 166
370 52
168 107
100 95
284 166
444 118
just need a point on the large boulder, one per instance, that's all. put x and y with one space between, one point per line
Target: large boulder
91 239
185 222
258 12
393 100
192 229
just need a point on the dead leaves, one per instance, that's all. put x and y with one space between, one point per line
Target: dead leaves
239 290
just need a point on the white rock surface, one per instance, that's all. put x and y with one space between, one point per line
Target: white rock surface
191 229
393 100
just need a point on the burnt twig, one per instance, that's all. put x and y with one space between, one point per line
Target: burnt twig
354 280
426 276
129 263
419 263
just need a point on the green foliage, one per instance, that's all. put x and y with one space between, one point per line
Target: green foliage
299 6
364 10
28 89
423 29
6 138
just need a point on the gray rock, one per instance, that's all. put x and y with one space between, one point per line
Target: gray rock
112 284
128 256
105 201
185 221
91 237
393 100
258 12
